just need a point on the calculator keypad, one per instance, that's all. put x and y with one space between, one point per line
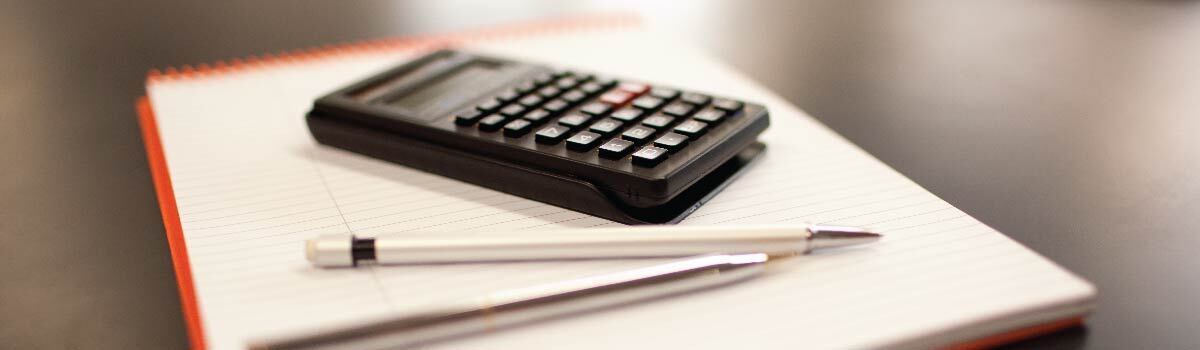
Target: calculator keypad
491 122
526 87
512 111
489 106
626 114
556 106
710 116
574 96
591 88
468 117
596 108
671 141
583 141
537 116
664 93
508 96
574 120
616 148
552 134
678 109
605 127
638 134
616 97
727 104
647 102
634 88
530 101
618 121
658 121
695 99
691 128
649 156
549 92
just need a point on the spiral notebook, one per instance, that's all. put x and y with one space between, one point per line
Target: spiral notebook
242 185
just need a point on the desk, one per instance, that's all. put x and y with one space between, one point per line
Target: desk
1067 125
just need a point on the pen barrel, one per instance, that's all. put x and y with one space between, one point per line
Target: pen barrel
528 305
660 241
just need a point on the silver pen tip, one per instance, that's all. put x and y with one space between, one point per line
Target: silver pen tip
839 236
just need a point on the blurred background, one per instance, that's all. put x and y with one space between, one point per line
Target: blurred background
1068 125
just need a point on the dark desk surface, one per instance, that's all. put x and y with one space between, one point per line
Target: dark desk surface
1071 126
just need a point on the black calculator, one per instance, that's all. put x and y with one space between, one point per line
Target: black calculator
621 149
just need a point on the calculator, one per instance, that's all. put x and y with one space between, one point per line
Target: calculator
621 149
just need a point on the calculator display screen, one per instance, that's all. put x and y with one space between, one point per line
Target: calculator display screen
444 93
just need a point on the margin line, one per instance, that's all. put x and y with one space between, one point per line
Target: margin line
312 158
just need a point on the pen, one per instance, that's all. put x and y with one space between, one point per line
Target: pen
625 242
541 302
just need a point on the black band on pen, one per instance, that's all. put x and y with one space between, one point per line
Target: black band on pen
363 249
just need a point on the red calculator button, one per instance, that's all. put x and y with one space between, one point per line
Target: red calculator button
634 88
616 97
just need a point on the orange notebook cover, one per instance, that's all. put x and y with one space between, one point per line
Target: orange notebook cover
166 195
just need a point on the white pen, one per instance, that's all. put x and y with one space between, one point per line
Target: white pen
345 250
504 309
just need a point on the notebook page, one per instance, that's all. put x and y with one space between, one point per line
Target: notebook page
251 185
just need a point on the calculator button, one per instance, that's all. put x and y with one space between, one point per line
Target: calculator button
649 156
664 93
595 108
671 141
616 97
556 106
647 102
517 128
591 87
694 98
633 88
710 115
488 106
583 76
574 120
468 117
627 114
537 116
512 111
658 121
549 92
551 134
678 109
526 87
508 96
604 82
574 96
615 148
543 78
727 104
491 122
637 134
691 128
530 101
566 83
606 127
583 141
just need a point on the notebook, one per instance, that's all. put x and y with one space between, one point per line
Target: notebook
242 185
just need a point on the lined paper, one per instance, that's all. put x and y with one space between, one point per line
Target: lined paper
251 185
